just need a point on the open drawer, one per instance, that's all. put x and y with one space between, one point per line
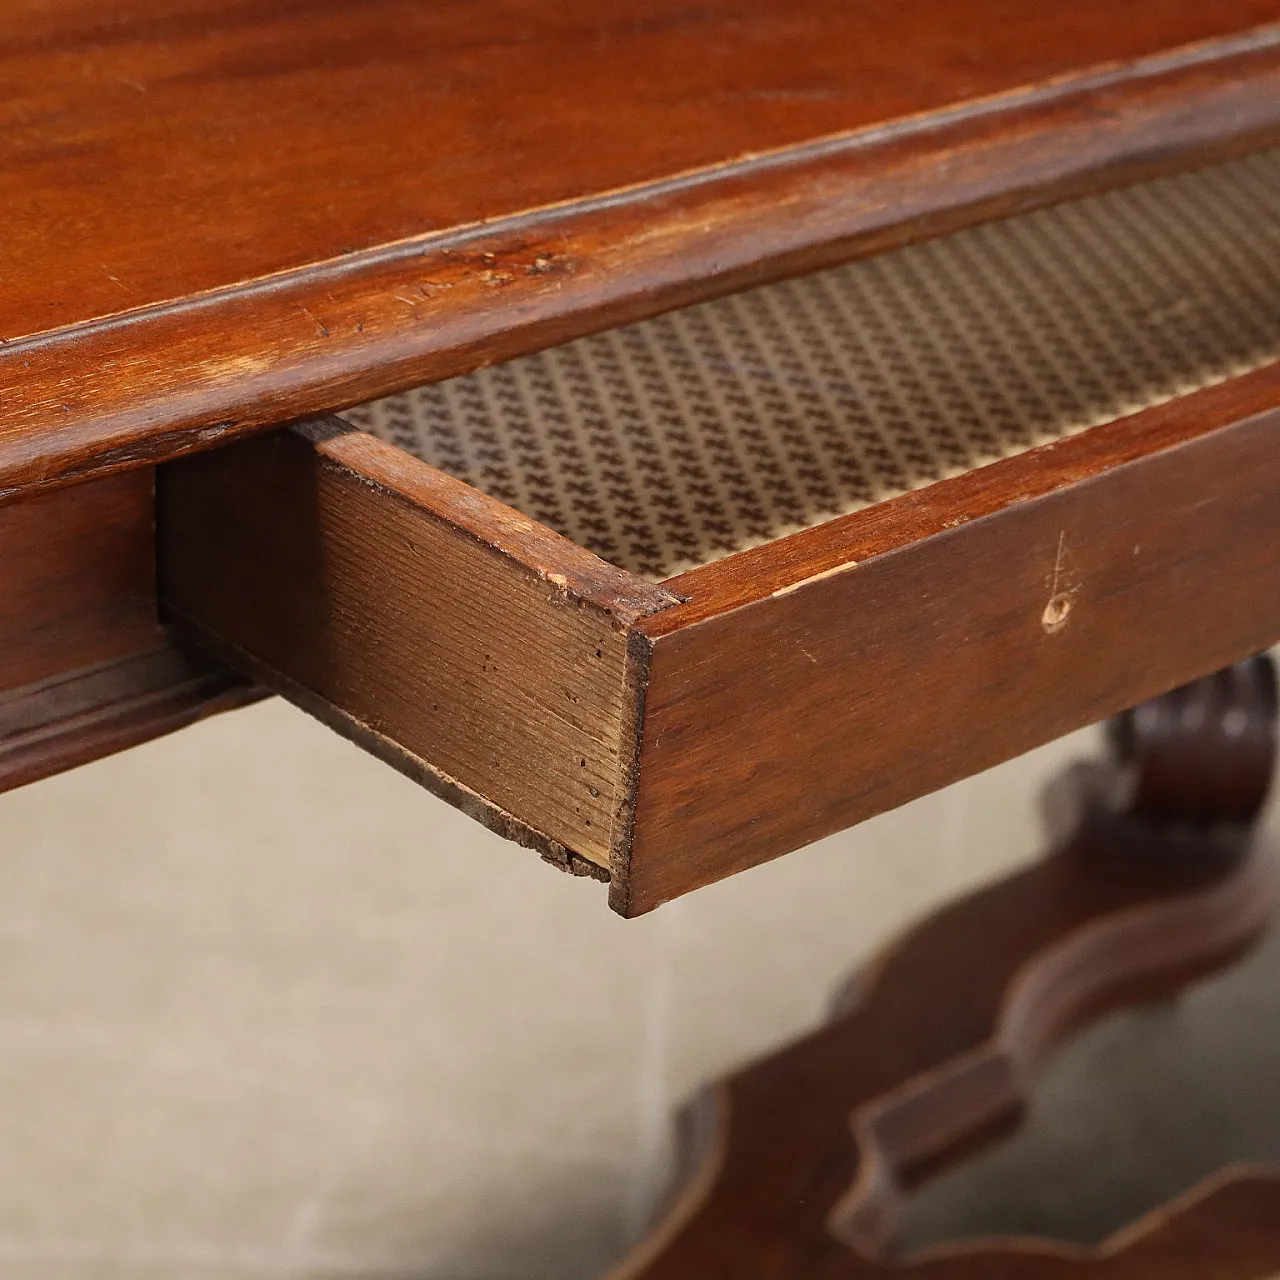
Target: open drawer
677 598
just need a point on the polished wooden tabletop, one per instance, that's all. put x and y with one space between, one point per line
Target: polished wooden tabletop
223 215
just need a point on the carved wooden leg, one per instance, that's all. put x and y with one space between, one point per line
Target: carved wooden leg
805 1152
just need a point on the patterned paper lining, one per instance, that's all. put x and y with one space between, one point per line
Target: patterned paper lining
673 442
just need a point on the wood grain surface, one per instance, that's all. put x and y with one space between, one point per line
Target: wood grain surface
814 682
78 586
480 653
224 215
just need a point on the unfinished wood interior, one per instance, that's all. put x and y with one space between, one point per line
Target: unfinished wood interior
484 657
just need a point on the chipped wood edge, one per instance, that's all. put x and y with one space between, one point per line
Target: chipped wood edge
639 653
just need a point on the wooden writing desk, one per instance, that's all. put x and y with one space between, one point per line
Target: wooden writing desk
656 663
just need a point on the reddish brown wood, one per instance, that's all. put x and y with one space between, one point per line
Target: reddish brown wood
220 217
801 1171
819 680
78 587
85 668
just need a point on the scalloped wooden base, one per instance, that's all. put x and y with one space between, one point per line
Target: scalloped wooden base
799 1159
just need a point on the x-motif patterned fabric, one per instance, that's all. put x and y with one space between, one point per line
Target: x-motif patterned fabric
673 442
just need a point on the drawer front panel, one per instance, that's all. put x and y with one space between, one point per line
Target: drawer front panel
880 679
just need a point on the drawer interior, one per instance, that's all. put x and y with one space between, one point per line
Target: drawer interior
675 442
679 597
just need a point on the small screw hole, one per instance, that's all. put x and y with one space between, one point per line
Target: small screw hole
1056 612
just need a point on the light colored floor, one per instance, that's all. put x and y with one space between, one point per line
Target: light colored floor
268 1010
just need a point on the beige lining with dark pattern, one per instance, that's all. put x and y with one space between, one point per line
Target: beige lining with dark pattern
679 440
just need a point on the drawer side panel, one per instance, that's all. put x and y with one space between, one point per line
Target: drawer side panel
501 684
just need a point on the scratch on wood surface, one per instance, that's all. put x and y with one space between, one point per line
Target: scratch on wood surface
813 577
321 329
1058 562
